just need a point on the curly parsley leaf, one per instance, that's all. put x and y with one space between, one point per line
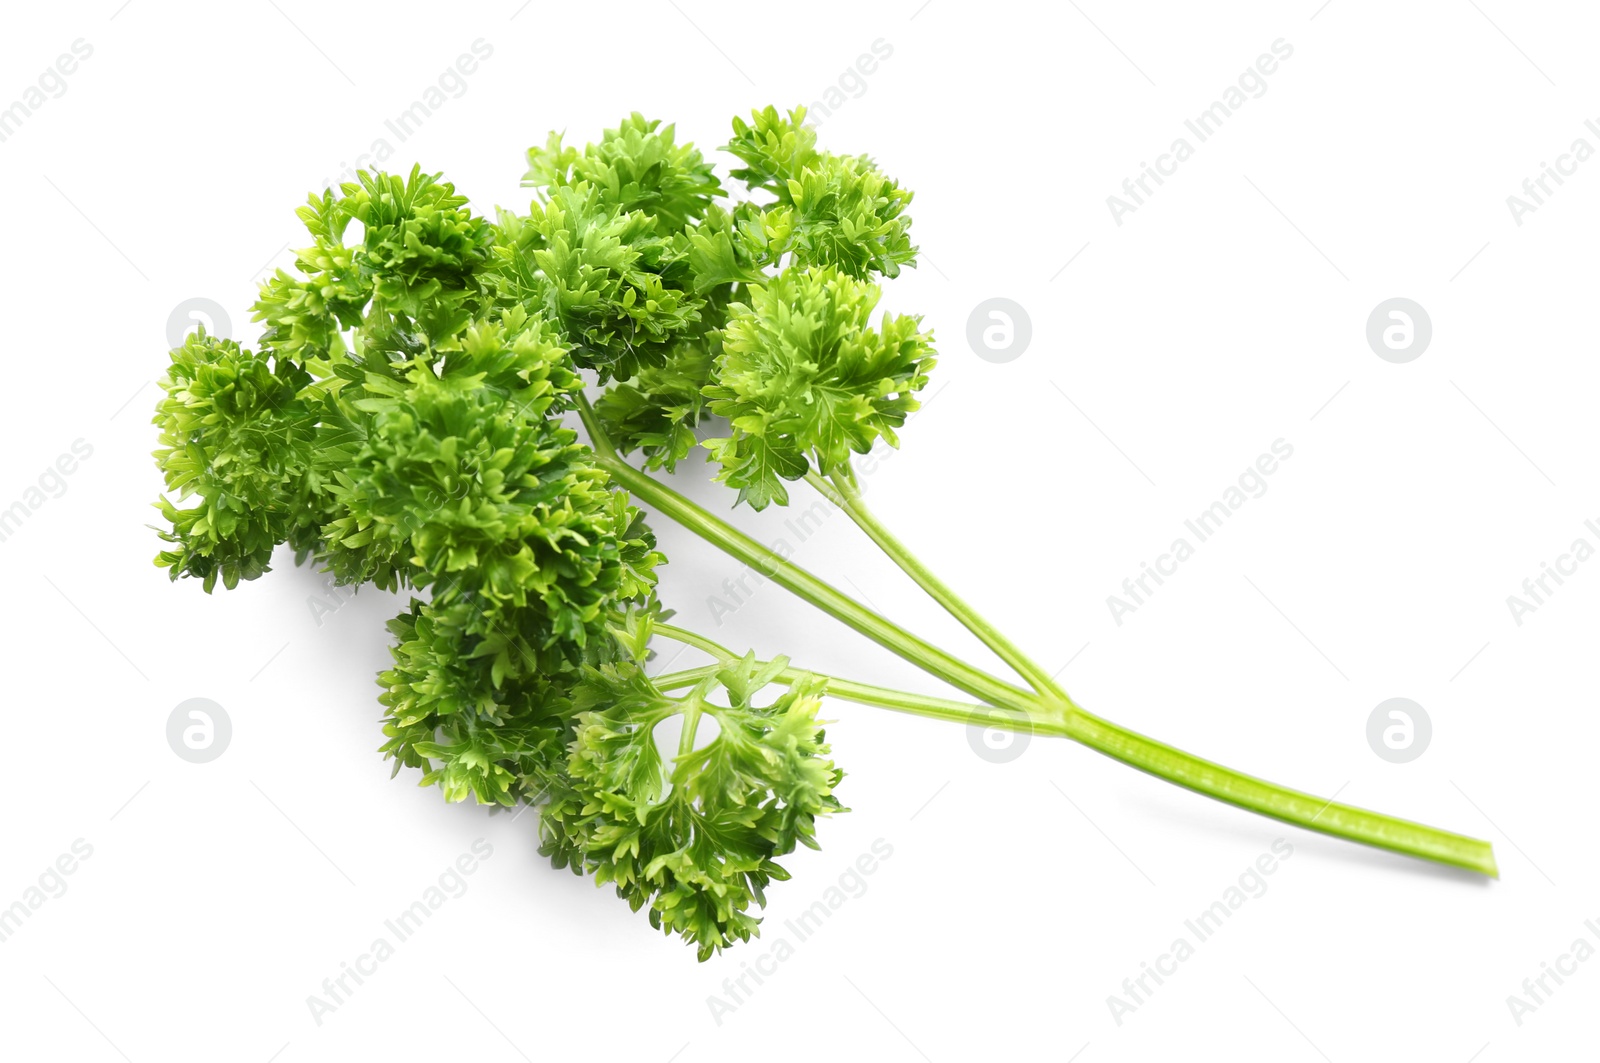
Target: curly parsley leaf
805 381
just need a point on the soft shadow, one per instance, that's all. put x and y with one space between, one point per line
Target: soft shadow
1248 826
1338 850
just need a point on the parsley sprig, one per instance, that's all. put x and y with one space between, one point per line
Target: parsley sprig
404 422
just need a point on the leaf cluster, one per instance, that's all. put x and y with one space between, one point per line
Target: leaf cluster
695 835
791 267
404 423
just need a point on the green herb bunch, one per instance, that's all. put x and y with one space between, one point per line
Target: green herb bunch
405 421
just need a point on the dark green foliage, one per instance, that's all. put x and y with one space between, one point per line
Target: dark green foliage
694 835
404 424
804 380
831 210
235 432
637 166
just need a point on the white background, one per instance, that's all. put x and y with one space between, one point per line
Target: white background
1227 312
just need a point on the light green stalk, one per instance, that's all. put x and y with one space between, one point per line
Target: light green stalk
1048 708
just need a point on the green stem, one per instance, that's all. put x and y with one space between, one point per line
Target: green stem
1146 754
687 677
848 690
1279 802
692 712
1156 758
885 698
599 442
691 638
934 708
841 490
824 596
